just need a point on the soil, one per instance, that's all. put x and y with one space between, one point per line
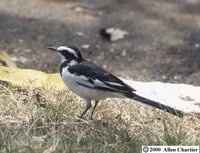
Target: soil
163 42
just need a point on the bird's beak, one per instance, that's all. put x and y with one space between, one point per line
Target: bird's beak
53 49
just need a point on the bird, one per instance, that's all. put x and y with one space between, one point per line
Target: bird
91 82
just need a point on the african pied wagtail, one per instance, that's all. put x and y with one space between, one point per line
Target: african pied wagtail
91 82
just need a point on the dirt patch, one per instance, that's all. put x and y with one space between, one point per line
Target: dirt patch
163 42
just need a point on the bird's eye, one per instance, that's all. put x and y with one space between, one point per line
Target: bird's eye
65 53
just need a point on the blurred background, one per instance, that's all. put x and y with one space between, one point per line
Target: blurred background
162 41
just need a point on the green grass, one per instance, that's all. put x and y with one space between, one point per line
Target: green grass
43 120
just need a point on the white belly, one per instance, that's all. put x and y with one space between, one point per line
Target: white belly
85 92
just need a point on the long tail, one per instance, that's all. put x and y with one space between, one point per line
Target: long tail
155 104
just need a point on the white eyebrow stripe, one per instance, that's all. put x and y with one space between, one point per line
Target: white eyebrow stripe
114 83
68 49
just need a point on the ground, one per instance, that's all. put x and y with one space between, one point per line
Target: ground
163 42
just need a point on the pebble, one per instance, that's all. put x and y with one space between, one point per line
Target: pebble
177 77
124 52
85 46
112 50
197 45
79 33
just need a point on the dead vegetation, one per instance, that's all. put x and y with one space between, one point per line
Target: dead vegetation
43 120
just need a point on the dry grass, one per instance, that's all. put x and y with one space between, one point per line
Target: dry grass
43 120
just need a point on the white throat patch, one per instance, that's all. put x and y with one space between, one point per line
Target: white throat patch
73 62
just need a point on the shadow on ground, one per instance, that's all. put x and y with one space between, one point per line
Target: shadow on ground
163 42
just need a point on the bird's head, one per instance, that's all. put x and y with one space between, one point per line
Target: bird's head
68 53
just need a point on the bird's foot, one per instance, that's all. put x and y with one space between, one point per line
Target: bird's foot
83 119
91 118
79 117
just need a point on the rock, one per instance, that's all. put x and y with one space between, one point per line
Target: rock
183 97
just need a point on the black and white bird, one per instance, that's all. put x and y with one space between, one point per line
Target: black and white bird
91 82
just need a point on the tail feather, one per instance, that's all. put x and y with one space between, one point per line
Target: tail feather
155 104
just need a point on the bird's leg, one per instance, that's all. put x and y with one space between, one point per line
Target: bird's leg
95 105
88 105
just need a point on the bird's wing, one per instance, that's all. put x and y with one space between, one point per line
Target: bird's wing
95 77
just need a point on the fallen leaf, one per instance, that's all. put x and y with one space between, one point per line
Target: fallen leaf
27 77
113 34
